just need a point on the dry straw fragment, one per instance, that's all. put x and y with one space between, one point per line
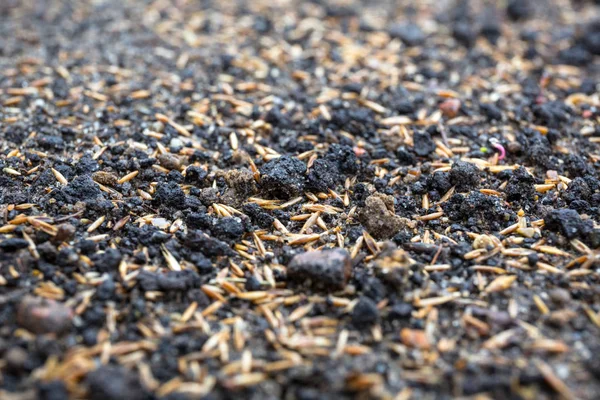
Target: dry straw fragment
501 283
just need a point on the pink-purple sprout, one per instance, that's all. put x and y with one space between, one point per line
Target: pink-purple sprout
500 148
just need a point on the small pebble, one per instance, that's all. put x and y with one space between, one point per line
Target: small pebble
64 233
15 358
559 296
378 217
169 161
450 107
114 383
40 315
105 178
415 338
325 269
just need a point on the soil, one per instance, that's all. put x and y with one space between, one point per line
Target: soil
320 199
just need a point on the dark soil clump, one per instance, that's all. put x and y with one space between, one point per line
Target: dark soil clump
283 177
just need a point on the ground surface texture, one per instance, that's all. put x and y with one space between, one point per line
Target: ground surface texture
299 200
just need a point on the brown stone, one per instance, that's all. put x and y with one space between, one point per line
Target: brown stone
169 161
105 178
450 107
560 296
416 338
64 233
40 315
322 269
379 219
